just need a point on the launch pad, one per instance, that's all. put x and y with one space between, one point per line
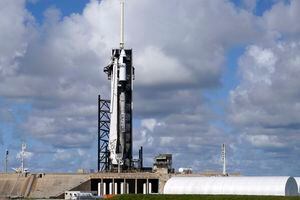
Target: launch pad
54 185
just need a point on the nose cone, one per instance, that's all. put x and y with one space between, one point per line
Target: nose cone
123 54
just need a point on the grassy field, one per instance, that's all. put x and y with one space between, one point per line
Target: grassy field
200 197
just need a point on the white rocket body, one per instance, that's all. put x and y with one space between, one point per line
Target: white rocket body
113 134
119 68
122 66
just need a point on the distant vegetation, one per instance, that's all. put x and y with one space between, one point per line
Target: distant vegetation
200 197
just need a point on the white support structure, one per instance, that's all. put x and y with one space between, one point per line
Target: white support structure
145 188
122 188
104 188
127 188
110 188
150 188
99 189
116 188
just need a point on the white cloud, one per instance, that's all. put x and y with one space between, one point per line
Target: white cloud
149 124
264 109
261 66
283 18
62 154
166 140
154 68
27 155
14 35
268 93
264 140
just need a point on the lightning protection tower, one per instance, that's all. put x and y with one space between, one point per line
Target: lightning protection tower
224 159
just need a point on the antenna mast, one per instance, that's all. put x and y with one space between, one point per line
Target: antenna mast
224 159
23 157
122 24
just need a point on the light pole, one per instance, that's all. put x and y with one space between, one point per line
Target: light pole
6 160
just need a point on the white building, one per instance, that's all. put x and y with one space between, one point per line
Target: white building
273 186
298 182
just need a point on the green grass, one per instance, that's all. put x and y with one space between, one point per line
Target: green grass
200 197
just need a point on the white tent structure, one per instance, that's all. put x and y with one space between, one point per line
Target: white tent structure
273 186
298 182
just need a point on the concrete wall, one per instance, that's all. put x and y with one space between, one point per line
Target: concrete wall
41 186
54 185
12 185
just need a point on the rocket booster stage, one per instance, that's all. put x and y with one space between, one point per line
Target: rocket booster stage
121 72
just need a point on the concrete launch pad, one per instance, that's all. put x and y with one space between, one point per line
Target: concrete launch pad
54 185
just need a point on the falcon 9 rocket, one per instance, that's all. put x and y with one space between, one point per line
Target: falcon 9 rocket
121 73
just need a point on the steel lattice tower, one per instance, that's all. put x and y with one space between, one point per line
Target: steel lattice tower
103 134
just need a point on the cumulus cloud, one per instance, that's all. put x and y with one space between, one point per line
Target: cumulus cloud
15 22
282 18
268 93
264 140
265 105
62 155
149 124
263 108
74 159
164 70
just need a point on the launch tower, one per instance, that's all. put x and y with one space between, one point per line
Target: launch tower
120 72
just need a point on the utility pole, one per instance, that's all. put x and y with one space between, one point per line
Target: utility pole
6 160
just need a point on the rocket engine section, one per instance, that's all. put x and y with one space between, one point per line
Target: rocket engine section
121 72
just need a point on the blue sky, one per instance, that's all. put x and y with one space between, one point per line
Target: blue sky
217 78
67 7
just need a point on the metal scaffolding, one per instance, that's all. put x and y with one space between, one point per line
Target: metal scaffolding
103 134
